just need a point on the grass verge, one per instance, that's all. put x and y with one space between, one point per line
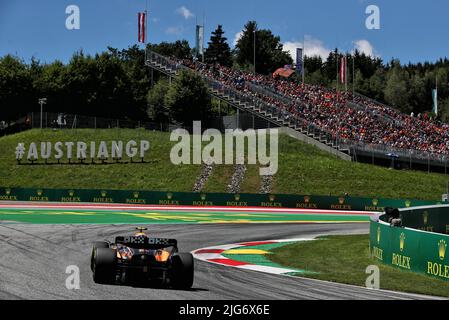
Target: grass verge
303 169
344 259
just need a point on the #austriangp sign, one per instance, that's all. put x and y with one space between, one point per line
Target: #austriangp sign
82 151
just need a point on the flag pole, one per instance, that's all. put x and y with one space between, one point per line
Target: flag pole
436 95
303 60
197 46
353 75
254 50
146 23
146 29
346 72
337 58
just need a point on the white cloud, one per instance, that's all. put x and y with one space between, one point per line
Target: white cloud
174 31
186 13
313 47
365 47
237 37
316 47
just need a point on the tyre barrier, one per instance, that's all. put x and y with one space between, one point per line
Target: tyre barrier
418 245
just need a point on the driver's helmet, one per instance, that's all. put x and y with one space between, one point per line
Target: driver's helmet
141 232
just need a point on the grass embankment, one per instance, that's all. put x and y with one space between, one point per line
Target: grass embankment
157 174
303 169
344 259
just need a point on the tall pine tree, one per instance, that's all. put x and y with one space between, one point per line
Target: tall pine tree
218 50
270 53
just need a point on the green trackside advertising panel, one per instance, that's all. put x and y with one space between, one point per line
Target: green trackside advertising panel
409 249
432 219
203 199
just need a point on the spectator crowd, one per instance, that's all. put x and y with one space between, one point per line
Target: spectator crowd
344 116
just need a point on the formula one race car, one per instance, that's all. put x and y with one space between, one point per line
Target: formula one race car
140 258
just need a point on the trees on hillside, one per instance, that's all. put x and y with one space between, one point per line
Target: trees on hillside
188 99
111 84
218 50
179 49
269 52
330 66
138 78
312 64
244 49
16 88
51 82
375 85
157 110
367 65
397 88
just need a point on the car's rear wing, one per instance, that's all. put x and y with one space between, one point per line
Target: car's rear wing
146 242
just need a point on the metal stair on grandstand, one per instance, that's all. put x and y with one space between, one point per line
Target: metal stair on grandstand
239 101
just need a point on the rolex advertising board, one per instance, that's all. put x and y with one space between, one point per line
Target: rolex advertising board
344 203
410 249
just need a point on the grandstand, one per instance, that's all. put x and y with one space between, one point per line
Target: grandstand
363 128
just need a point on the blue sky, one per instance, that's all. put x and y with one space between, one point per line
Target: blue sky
410 30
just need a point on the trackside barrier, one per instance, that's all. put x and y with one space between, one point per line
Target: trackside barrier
205 199
419 246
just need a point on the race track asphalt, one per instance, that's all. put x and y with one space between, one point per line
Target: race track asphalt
35 258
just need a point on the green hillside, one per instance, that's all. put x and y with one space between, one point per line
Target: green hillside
157 174
303 169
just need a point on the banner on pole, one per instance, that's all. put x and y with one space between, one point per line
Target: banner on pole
200 40
435 101
141 27
299 61
343 63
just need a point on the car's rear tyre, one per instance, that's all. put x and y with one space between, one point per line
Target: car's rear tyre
104 265
183 271
101 244
96 245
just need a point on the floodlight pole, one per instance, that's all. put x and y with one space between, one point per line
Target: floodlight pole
42 101
353 75
204 32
